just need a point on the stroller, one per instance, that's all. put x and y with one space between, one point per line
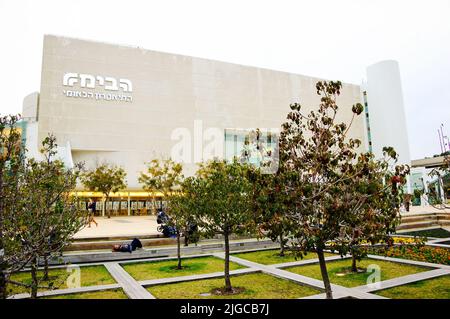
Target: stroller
162 219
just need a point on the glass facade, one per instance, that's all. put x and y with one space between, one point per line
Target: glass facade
416 181
118 205
251 146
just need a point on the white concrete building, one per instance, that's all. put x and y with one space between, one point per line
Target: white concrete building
126 105
386 110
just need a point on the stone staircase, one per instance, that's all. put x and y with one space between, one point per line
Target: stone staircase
108 242
203 247
416 221
148 241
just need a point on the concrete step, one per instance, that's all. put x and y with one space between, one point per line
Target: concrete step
420 224
203 247
426 216
413 219
108 244
424 220
115 238
401 231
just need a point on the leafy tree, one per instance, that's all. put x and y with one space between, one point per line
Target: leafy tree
221 192
372 198
38 217
13 256
316 159
105 178
268 207
50 213
267 198
167 177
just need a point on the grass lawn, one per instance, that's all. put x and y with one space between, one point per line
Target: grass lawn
167 268
337 271
269 257
103 294
436 288
257 286
435 232
90 276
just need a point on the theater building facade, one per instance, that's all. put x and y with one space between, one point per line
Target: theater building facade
127 105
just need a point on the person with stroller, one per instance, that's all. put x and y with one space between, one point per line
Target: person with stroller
91 210
162 219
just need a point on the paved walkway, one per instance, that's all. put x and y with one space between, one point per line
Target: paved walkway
423 209
135 289
118 226
131 287
139 226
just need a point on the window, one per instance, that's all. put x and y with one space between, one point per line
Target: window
248 146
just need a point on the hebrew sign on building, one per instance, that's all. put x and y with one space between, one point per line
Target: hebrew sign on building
88 82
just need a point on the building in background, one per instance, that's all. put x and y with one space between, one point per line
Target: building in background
429 176
386 111
126 105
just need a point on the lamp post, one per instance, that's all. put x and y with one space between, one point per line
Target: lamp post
446 144
443 141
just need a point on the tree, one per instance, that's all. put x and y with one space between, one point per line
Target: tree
317 162
266 197
167 177
51 214
372 198
268 207
105 178
13 255
38 217
221 192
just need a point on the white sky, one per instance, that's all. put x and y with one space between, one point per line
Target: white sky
330 39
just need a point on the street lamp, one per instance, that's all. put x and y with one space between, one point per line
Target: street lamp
443 140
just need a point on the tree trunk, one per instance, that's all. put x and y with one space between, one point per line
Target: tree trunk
109 212
228 287
2 283
34 279
323 270
45 268
178 250
3 264
354 268
281 246
2 270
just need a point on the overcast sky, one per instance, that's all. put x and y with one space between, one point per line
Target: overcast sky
330 39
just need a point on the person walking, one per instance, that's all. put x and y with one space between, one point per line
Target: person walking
91 210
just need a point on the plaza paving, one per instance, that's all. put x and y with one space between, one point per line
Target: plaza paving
136 289
120 226
139 226
424 209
